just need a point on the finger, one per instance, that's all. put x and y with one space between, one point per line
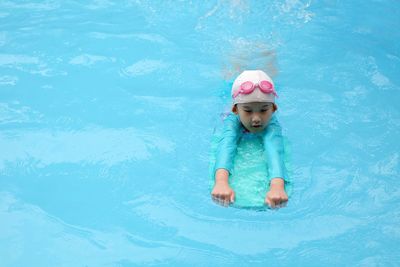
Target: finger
273 204
278 206
217 199
284 198
232 198
226 201
214 198
279 203
282 203
269 202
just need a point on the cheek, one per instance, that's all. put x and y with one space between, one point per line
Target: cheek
244 119
267 116
243 115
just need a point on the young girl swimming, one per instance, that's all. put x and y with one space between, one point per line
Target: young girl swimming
253 108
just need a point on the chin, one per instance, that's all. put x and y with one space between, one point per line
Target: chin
257 130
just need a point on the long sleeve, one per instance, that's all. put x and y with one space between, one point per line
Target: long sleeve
274 150
226 151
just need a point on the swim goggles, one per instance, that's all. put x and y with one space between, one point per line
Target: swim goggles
248 87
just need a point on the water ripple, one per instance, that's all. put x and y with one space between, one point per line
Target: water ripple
87 59
144 67
27 227
224 233
92 145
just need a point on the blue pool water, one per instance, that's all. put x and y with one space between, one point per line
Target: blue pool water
107 110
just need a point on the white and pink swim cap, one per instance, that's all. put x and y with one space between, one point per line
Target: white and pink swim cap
253 86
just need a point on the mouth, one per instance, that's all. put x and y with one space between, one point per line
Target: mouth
256 126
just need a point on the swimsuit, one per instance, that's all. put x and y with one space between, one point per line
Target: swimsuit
272 138
252 160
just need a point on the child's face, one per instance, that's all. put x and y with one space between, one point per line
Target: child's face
255 116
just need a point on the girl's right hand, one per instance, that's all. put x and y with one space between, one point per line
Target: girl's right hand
223 194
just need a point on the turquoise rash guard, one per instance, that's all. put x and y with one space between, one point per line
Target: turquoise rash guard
233 131
251 159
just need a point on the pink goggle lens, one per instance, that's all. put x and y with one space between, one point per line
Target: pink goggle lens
266 85
247 87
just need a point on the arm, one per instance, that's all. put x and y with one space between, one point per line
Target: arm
273 149
222 192
231 132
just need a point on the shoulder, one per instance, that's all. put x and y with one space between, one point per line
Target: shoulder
232 120
273 121
274 118
232 123
231 117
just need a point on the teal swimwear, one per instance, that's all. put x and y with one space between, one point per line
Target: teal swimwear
258 157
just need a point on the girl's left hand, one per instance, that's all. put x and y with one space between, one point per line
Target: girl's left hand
276 196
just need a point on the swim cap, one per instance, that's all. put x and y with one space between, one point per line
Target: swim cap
256 77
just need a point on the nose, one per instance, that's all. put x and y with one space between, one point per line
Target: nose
256 119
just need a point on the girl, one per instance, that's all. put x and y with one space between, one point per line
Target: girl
253 95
